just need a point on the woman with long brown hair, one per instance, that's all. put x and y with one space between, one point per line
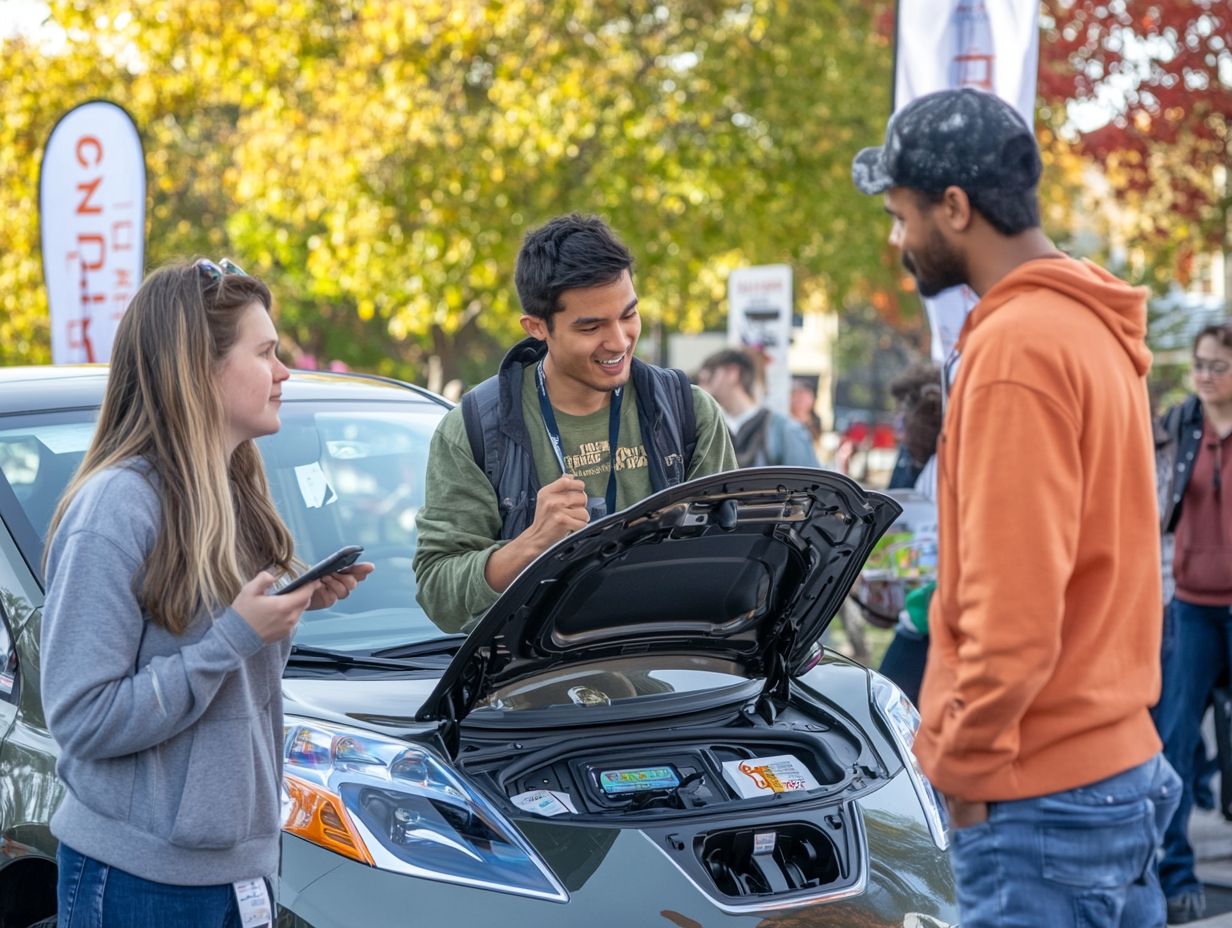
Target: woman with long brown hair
162 652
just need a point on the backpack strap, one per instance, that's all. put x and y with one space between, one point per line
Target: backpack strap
688 418
474 428
481 416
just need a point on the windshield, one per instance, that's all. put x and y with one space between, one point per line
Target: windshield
341 473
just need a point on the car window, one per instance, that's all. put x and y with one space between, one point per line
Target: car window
38 456
340 473
345 474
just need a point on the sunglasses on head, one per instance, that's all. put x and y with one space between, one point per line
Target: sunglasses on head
215 272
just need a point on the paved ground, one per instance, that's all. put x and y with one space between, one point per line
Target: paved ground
1211 835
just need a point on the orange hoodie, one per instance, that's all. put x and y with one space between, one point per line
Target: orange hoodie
1046 622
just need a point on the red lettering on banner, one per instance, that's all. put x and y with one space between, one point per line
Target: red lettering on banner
122 292
89 141
90 255
122 237
87 188
91 239
82 340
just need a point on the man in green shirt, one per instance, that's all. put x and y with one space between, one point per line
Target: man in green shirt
563 398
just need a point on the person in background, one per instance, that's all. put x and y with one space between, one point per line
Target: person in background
917 450
1196 511
572 427
761 437
803 406
162 652
1044 645
1167 443
918 392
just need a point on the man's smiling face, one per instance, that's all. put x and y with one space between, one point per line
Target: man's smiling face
590 340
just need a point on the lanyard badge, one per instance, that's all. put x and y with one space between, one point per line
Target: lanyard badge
594 505
256 910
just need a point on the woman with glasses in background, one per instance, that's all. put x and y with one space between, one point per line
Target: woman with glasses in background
1196 509
162 650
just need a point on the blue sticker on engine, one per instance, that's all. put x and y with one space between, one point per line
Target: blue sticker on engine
637 779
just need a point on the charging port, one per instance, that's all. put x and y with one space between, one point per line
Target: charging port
783 858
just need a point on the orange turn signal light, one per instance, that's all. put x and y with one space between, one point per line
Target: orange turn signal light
317 815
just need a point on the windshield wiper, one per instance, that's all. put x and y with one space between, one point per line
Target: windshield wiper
446 644
305 656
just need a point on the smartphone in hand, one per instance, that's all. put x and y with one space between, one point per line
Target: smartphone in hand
338 561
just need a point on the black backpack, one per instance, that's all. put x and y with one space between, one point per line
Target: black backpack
500 444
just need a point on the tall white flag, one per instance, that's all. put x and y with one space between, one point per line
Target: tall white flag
946 44
92 219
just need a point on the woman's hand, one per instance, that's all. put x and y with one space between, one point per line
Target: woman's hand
333 587
272 617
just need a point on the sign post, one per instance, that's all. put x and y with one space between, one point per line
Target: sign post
759 309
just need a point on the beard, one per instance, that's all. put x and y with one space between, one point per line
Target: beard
935 267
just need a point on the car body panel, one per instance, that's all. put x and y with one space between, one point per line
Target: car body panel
620 877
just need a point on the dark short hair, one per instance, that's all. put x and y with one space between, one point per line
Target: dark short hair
1007 211
734 357
1220 331
567 253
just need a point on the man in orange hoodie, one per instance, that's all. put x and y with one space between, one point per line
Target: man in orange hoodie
1045 625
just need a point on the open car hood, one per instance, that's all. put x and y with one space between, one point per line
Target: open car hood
748 566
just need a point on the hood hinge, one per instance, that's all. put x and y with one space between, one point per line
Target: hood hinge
460 703
777 688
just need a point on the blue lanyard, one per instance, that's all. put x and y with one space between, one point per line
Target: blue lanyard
613 432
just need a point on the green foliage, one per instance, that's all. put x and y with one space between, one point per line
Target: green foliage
380 162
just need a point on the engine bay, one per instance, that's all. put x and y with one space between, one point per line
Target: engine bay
669 776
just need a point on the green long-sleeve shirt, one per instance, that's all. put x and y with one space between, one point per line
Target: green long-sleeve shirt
459 524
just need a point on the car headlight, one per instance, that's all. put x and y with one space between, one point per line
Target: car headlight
903 720
397 806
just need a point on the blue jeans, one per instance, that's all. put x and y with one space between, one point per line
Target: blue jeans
1081 857
1196 652
91 894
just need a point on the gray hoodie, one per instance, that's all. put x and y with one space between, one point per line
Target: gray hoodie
170 745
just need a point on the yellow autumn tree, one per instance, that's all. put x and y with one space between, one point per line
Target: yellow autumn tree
380 162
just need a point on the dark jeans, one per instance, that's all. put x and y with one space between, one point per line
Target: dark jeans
1197 645
92 894
1081 857
904 662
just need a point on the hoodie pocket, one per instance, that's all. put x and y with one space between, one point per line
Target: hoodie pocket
110 784
1204 568
230 790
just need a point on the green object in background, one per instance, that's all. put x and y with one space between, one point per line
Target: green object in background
915 604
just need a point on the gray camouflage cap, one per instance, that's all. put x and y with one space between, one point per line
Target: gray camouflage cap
953 138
